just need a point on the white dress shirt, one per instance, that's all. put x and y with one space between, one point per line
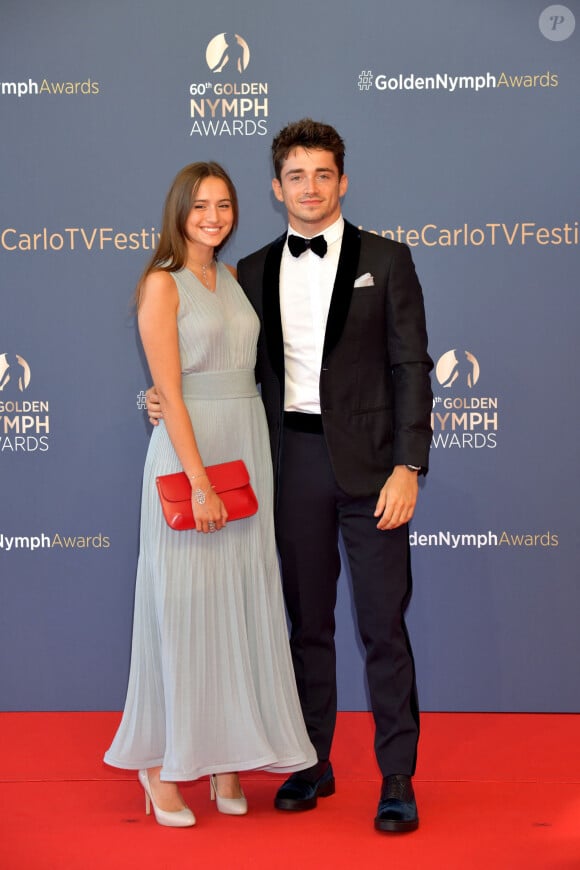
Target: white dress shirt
306 284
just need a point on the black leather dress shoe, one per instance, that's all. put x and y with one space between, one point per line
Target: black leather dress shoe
302 790
397 810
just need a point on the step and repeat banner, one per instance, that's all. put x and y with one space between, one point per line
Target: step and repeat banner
462 133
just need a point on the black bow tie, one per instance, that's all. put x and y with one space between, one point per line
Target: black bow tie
298 245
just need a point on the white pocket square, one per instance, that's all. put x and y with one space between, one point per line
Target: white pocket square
365 280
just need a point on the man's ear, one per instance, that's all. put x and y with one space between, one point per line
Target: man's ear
277 188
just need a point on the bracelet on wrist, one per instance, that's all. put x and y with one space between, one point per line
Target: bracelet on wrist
201 474
199 495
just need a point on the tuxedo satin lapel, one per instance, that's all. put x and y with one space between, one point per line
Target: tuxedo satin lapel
343 287
271 306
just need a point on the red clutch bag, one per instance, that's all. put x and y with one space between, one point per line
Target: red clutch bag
230 480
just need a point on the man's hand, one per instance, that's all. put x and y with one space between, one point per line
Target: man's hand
153 407
397 499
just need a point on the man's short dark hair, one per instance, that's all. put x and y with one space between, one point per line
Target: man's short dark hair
307 134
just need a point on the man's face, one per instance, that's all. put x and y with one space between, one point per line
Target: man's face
310 188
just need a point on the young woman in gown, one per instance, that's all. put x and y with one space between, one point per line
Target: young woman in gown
211 686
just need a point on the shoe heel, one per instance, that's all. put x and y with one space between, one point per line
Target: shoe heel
183 818
229 806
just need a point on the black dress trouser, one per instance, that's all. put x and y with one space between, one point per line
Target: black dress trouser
311 510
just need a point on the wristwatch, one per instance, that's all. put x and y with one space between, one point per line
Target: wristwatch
413 467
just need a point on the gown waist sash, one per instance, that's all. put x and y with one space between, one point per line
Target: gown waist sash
235 384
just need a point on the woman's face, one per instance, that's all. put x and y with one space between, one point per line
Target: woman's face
212 215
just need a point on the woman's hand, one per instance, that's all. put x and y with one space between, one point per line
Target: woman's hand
154 411
211 516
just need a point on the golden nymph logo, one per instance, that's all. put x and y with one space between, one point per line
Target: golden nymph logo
227 50
14 373
225 104
24 423
460 418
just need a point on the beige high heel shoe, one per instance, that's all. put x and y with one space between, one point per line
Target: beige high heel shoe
229 806
177 819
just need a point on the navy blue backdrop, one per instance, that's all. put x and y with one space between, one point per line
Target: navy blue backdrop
462 136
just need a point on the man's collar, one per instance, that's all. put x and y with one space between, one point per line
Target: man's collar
332 233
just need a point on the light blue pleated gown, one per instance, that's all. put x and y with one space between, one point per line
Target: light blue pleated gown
211 686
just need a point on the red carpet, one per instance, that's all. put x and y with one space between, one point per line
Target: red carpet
493 790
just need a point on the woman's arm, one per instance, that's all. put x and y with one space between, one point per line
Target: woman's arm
157 319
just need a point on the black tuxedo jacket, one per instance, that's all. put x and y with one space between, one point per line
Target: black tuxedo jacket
375 390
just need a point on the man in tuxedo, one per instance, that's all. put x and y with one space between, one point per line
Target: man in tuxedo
344 374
